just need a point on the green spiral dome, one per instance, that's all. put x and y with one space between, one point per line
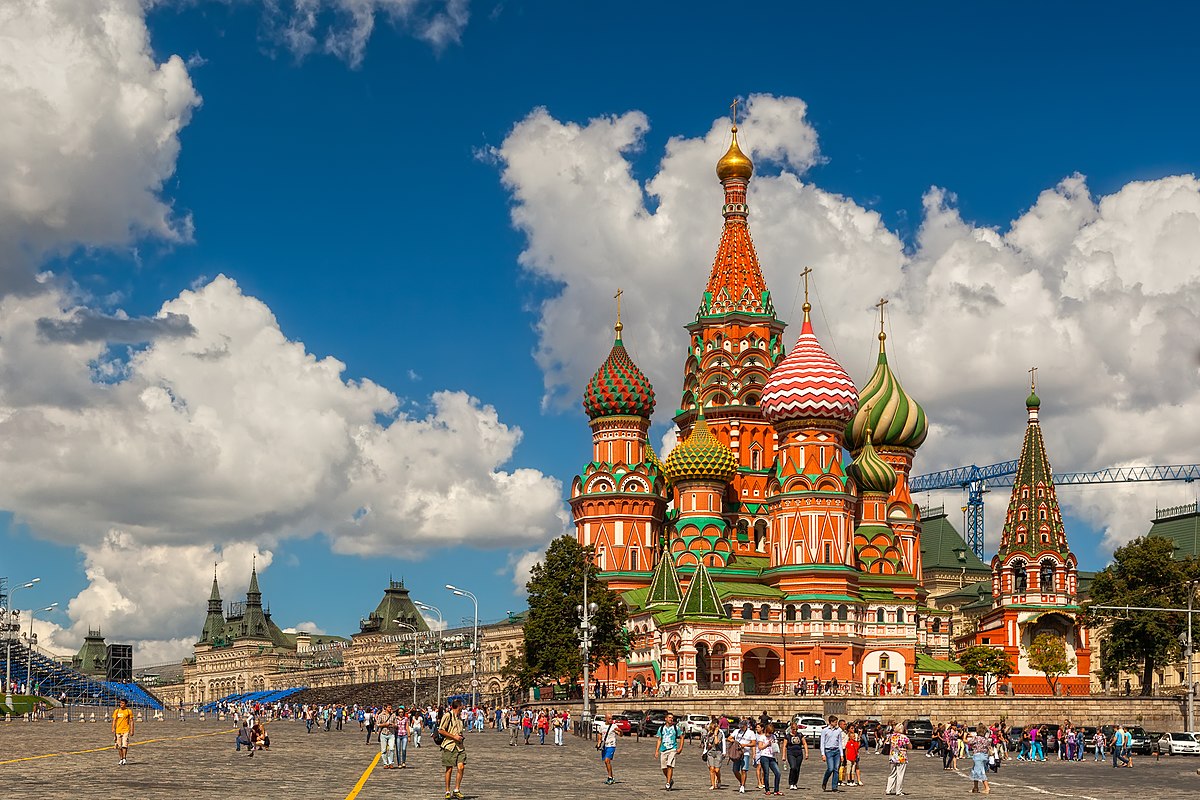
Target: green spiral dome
870 472
701 457
885 408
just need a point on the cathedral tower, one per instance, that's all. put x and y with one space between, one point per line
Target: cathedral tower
619 499
734 343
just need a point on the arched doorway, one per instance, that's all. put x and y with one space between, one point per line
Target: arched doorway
702 666
761 668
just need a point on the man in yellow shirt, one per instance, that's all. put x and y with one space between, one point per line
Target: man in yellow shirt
122 728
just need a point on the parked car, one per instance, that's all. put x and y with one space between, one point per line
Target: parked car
1012 737
635 718
919 732
1140 740
810 727
1048 733
694 724
1089 737
1178 743
655 719
869 729
623 724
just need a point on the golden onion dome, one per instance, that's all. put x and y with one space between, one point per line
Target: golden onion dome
735 163
701 457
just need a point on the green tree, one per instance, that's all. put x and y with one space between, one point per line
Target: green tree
982 661
555 589
1047 653
1143 573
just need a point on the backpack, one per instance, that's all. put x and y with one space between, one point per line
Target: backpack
438 738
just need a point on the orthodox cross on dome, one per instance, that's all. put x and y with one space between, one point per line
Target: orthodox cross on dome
618 327
804 274
1033 379
733 111
882 302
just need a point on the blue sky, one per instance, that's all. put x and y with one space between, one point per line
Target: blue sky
369 204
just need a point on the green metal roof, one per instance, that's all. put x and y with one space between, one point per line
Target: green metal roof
664 586
939 539
727 589
1182 530
701 598
927 663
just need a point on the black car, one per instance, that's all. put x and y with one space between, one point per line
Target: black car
919 732
636 718
1012 737
655 719
1140 741
1088 733
869 730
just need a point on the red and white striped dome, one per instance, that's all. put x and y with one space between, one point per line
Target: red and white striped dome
809 384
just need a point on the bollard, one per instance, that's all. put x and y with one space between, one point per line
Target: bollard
93 717
7 717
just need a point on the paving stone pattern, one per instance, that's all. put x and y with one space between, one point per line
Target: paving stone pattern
194 759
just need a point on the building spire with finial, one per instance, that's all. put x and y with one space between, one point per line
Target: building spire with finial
618 327
807 307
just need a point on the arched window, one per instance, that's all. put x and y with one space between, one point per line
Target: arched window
789 613
600 553
827 612
743 530
760 533
764 611
633 560
843 613
1046 578
729 610
879 615
937 626
747 611
900 616
1020 579
805 612
755 456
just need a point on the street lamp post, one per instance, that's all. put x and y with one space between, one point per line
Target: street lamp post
441 625
475 646
8 644
586 610
32 642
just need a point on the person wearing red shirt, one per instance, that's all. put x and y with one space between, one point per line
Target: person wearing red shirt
853 745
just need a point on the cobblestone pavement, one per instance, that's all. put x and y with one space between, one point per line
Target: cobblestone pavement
193 759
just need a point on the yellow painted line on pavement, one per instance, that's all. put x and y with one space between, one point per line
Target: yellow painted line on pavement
363 779
114 747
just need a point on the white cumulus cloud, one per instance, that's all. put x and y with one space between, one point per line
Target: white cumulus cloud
1100 293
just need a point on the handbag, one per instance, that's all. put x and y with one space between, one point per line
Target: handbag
735 751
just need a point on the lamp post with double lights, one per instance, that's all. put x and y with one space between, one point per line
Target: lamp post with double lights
32 641
586 611
441 626
8 644
475 646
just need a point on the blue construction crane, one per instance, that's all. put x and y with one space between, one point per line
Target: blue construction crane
976 480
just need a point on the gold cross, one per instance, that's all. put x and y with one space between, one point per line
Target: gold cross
882 302
1033 378
733 110
617 296
807 271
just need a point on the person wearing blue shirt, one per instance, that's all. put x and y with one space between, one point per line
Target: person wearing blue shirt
670 743
831 748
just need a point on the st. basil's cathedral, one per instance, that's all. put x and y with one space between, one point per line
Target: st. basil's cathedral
758 555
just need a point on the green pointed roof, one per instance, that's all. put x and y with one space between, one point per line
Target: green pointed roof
215 594
253 590
701 598
941 543
1033 510
664 585
886 413
395 605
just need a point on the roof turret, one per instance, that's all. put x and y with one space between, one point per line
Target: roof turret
870 472
664 584
885 409
701 598
618 388
701 457
809 383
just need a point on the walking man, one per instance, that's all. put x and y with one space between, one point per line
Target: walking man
606 743
670 744
122 728
454 753
831 749
385 723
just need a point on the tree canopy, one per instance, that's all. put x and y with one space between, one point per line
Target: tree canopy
1047 653
555 589
982 660
1143 573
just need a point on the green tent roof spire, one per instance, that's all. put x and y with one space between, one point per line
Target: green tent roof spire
701 599
664 586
